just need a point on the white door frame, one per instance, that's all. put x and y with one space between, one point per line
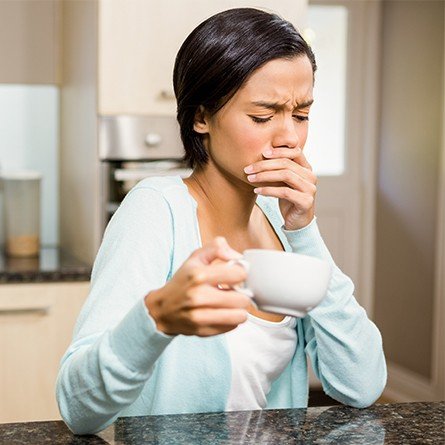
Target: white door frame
371 23
362 139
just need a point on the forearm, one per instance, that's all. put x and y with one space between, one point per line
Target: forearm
344 345
101 376
346 353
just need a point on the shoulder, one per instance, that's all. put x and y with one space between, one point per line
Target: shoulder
142 224
144 206
154 193
153 202
160 183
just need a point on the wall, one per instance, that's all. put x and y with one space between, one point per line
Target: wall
29 121
29 99
79 164
408 180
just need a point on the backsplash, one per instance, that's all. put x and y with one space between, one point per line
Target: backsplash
29 138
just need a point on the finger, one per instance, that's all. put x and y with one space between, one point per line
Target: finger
214 274
214 330
205 331
295 154
270 164
218 248
212 297
288 177
302 160
302 201
279 164
217 317
282 152
224 274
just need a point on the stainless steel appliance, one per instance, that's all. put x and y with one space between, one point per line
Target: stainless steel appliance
132 148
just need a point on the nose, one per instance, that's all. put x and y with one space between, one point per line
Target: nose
286 134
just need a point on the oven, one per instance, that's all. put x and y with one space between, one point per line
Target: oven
132 148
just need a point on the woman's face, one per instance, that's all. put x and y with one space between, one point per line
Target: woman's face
270 110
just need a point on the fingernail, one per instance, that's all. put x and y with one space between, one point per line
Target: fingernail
248 169
251 178
268 153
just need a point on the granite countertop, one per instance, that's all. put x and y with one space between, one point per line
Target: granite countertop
404 423
52 265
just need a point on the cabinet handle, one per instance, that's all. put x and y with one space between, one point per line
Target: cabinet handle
25 310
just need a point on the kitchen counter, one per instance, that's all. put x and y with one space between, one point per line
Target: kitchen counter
53 265
405 423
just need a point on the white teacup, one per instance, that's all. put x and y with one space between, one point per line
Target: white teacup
284 282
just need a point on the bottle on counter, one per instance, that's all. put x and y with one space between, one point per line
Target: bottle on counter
21 191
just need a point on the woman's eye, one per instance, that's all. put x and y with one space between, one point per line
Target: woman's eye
301 118
260 120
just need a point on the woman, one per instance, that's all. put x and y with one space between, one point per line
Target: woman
159 333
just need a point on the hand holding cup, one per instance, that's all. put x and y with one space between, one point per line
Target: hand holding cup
191 303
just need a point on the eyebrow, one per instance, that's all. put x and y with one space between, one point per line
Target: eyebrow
277 107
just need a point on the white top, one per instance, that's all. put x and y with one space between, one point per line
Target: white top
259 351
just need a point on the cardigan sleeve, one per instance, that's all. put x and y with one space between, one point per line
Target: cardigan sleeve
344 346
116 343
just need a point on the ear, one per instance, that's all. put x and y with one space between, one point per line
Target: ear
200 124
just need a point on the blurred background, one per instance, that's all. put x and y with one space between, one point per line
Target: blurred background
87 109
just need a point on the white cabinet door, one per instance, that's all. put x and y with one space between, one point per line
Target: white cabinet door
138 42
29 42
36 324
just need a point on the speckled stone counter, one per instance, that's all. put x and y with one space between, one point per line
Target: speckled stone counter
52 265
406 423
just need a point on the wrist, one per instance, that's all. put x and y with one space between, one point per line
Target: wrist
152 303
295 228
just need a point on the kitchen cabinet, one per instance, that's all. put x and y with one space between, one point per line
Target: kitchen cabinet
36 324
138 44
29 41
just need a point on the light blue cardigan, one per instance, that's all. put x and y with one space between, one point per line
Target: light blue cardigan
119 364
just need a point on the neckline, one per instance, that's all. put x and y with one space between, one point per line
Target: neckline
270 324
184 186
260 202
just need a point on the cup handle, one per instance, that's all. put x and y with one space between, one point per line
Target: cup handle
242 288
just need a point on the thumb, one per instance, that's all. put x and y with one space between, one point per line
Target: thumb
218 248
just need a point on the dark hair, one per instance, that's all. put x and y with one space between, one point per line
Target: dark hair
217 58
